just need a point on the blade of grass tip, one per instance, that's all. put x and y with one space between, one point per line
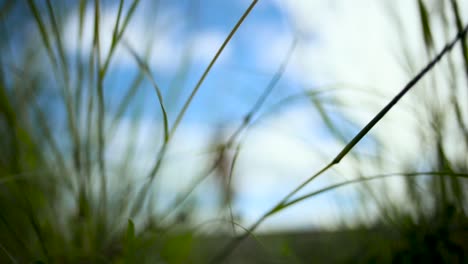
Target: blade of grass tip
426 27
117 22
146 70
129 15
81 14
114 37
448 47
117 35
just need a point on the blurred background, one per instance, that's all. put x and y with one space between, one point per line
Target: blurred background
159 131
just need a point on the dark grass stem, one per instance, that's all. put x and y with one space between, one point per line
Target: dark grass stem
285 201
100 111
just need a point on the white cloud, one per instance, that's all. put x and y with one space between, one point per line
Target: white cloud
165 36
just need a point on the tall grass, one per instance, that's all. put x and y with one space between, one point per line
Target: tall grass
56 125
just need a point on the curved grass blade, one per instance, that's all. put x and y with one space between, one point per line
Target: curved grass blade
145 69
360 180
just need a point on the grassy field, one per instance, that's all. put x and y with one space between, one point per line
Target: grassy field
62 200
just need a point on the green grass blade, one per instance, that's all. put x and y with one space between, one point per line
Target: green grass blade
117 22
100 113
394 101
117 35
81 17
42 30
361 180
426 26
127 19
464 43
146 70
210 65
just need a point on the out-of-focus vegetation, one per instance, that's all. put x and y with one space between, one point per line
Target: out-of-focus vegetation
56 199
